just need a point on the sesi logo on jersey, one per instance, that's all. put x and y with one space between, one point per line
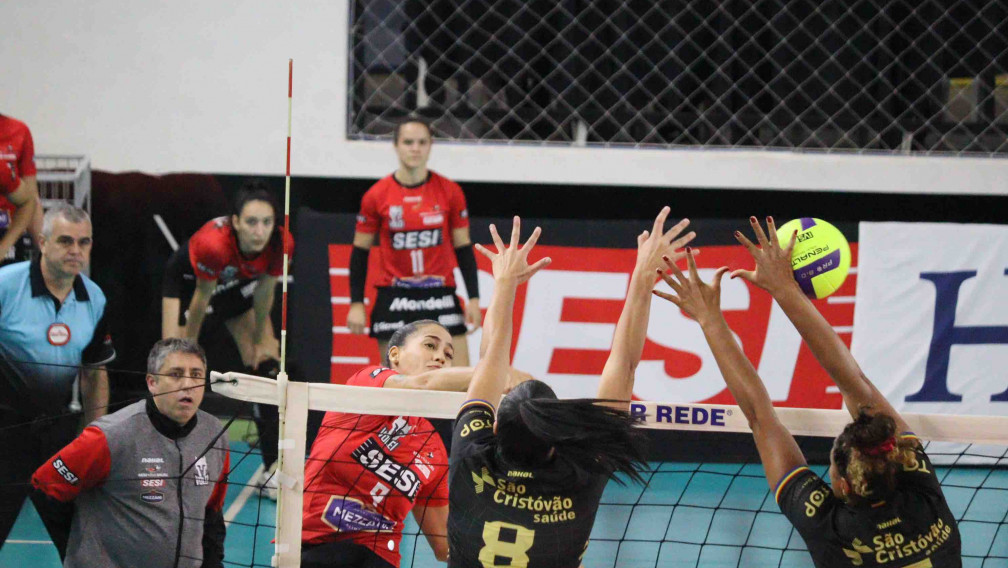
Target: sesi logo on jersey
416 239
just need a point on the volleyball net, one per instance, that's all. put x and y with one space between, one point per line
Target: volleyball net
706 501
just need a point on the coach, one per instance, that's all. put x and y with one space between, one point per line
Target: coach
147 482
51 323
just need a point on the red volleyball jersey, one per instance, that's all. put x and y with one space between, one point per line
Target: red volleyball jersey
365 473
414 226
214 254
17 150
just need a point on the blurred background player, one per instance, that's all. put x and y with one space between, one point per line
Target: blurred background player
52 330
20 208
225 278
886 506
122 474
354 508
419 217
538 449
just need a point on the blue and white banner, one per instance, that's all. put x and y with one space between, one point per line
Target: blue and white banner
931 318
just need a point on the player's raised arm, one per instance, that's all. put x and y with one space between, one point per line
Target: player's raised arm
777 447
773 273
510 268
617 378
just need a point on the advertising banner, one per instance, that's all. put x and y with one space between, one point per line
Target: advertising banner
931 324
565 316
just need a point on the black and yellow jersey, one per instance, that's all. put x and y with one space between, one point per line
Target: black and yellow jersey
506 517
910 528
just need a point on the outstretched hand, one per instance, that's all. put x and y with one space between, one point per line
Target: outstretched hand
511 261
699 300
656 245
773 263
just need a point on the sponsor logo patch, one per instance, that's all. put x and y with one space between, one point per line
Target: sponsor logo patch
152 483
202 472
64 471
430 304
350 515
58 334
403 479
435 219
152 497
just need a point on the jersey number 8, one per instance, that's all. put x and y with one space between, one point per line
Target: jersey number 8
515 552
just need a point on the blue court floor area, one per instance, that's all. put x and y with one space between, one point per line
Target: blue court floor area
689 515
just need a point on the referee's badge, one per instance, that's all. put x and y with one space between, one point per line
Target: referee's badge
58 334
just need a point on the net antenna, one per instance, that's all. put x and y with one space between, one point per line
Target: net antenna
286 530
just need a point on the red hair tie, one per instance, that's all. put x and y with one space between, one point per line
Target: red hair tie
881 449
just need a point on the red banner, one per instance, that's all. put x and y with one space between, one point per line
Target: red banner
565 316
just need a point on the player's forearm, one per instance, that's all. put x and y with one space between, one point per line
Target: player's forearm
95 393
825 344
197 311
454 379
170 317
628 339
738 372
262 303
21 218
491 376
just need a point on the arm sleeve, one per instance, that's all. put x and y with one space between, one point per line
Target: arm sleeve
369 217
26 161
467 266
358 273
214 530
459 212
81 465
807 501
100 350
473 430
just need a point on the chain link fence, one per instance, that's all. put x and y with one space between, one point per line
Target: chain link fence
921 76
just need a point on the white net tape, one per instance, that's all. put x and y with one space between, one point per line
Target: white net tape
856 76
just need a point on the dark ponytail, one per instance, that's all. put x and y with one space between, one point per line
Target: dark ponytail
593 438
869 453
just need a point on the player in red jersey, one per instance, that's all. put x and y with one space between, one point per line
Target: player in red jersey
226 274
421 221
366 473
20 209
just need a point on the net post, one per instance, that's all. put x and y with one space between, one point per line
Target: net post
293 411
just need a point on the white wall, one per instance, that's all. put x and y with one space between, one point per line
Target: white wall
201 86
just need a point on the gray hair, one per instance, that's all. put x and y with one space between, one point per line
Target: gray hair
67 211
166 347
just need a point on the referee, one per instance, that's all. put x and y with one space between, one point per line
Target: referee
52 327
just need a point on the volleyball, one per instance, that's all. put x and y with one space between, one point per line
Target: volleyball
821 258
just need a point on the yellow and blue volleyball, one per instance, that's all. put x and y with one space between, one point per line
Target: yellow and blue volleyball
821 258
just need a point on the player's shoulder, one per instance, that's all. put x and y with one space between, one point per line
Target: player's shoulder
442 181
372 375
12 125
381 186
213 236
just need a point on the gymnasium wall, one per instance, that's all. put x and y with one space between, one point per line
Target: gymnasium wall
193 86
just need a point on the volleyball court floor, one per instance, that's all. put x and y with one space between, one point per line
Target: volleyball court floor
718 508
